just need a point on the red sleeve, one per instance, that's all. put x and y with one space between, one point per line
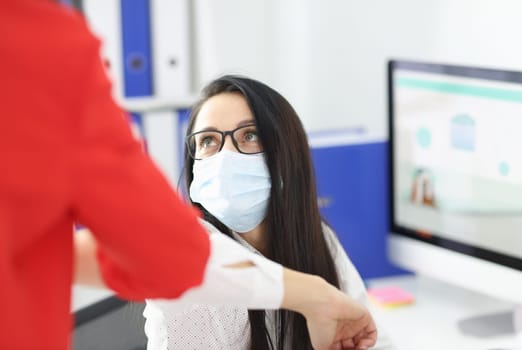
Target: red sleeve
150 242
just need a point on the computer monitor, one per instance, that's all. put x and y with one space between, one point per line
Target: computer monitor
455 138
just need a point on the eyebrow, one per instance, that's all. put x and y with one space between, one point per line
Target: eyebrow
240 124
246 122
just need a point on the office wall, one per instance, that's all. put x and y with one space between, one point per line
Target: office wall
328 56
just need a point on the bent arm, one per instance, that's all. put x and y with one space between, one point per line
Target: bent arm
149 242
238 277
87 270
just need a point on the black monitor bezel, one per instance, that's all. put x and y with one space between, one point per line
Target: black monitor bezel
455 70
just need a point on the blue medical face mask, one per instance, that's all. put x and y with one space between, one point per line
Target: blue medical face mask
233 187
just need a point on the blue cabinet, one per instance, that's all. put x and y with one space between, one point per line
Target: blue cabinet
352 183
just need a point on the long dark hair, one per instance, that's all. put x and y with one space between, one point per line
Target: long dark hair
293 224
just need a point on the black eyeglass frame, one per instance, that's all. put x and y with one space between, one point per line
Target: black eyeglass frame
223 136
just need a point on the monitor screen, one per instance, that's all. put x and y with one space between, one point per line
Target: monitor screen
456 168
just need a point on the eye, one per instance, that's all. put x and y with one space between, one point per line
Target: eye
251 136
247 134
208 140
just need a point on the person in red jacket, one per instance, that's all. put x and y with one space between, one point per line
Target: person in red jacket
68 155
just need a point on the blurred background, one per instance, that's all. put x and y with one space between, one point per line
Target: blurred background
326 56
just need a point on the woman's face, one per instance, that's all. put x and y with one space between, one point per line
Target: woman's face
224 112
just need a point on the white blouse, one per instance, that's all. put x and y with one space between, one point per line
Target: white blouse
181 325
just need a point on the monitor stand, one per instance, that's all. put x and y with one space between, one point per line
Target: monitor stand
493 325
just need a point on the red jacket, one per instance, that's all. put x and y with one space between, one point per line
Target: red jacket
66 155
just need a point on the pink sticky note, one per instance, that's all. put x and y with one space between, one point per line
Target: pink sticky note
390 296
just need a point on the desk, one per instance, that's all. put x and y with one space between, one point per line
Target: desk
103 321
85 296
431 322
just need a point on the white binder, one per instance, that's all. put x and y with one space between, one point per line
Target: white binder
170 48
104 18
162 141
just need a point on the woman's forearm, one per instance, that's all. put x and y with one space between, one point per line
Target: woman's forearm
332 316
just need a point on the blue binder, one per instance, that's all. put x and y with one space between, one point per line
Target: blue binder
353 195
136 41
183 119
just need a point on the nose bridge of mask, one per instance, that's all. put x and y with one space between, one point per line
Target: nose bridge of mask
231 162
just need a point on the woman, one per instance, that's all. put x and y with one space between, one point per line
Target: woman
248 169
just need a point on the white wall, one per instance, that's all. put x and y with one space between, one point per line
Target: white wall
328 56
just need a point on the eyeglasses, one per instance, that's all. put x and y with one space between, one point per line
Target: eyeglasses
206 143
